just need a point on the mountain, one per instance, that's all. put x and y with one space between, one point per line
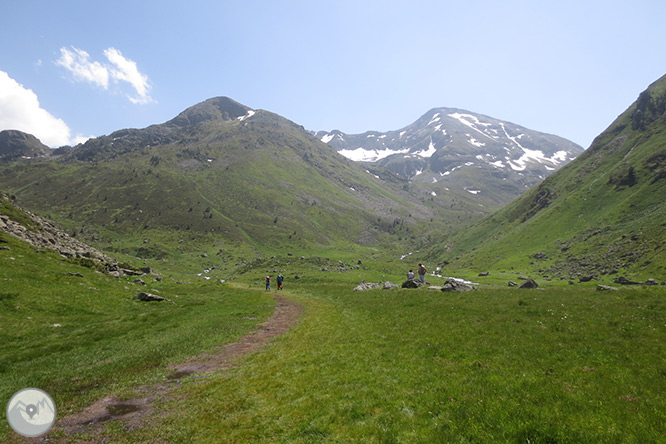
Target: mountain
221 174
603 214
459 150
17 144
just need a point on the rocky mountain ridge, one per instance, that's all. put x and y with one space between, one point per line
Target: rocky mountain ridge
453 148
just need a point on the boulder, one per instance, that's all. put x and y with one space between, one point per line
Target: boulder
529 283
411 283
452 285
388 285
605 288
484 273
149 297
363 285
624 281
512 284
651 282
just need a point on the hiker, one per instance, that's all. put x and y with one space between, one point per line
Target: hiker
280 278
410 275
268 283
422 273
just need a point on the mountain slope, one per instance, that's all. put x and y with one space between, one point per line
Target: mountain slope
17 144
219 173
455 149
601 214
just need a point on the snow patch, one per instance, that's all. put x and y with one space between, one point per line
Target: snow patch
429 152
433 193
327 138
434 119
249 114
363 155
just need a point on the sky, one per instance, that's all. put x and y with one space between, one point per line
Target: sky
71 70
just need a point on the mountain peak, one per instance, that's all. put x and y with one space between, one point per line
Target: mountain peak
15 144
216 108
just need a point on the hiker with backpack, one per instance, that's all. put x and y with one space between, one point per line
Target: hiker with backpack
422 272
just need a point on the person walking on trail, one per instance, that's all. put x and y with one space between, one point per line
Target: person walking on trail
280 279
422 273
410 275
268 283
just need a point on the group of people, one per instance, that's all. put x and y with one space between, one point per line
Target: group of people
410 276
280 280
422 272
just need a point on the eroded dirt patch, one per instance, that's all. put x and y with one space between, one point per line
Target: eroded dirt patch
132 412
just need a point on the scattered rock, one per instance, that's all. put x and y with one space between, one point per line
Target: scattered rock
512 284
585 278
411 283
363 285
79 275
529 283
139 281
624 281
388 285
484 273
5 248
453 285
149 297
605 288
651 282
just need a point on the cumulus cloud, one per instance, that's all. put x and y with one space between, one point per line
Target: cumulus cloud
118 69
20 110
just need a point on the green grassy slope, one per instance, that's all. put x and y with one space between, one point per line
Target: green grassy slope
601 214
260 182
80 335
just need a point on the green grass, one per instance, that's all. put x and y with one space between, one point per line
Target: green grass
497 365
83 338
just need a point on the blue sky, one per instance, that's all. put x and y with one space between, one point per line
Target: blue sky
76 69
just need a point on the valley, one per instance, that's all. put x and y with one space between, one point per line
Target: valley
200 209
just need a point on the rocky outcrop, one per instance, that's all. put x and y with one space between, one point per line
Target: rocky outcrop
530 283
458 286
43 234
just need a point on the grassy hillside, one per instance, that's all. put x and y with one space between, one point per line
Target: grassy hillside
602 214
211 184
80 335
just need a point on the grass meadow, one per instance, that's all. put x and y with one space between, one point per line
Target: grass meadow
564 364
560 365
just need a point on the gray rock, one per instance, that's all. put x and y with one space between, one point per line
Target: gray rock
411 283
149 297
605 288
451 285
484 273
651 282
512 284
624 281
530 283
388 285
363 285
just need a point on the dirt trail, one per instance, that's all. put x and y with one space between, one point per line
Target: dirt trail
133 412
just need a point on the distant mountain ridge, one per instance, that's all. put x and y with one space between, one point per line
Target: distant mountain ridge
601 215
222 172
459 148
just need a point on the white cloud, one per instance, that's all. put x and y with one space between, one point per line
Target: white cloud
120 69
78 62
126 70
20 110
